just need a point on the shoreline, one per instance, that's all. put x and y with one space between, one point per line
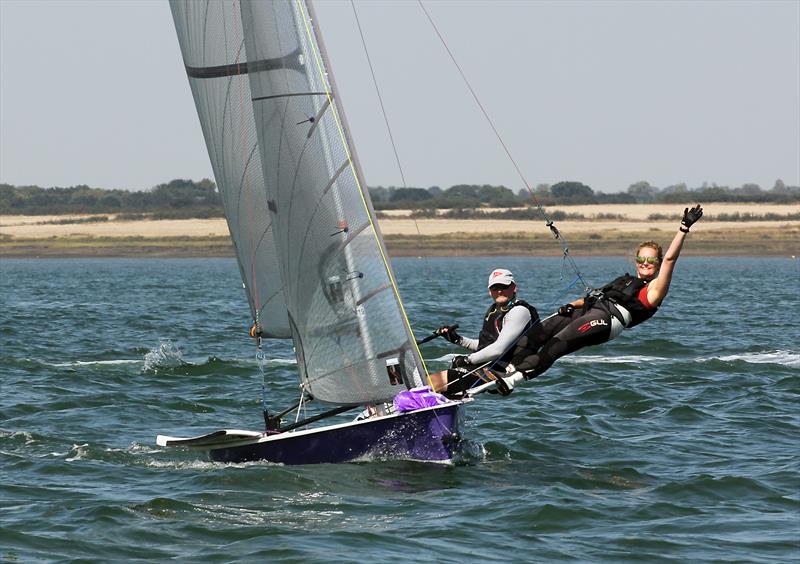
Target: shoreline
777 241
75 237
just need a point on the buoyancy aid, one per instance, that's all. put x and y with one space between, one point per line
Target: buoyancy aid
493 323
625 291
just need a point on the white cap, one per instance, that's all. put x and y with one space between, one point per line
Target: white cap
500 276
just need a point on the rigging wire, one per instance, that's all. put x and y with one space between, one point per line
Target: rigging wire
386 121
378 92
548 222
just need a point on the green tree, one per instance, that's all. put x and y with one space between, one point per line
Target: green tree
410 195
572 192
642 191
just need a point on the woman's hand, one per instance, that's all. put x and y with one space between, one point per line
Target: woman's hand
690 217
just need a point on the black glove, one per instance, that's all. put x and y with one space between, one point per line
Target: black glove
449 333
566 310
460 361
690 217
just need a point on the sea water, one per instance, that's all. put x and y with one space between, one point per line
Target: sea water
680 440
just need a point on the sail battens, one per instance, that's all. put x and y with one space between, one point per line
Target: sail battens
318 117
335 176
372 294
289 95
354 232
291 61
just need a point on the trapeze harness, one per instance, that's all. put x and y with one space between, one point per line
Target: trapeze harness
493 323
462 378
625 298
605 313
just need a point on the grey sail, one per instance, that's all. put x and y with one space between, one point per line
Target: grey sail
210 36
341 301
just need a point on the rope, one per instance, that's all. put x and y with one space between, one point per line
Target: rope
548 222
378 92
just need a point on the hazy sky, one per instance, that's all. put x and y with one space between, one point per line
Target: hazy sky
607 93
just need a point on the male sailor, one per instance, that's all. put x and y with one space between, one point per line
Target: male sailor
504 322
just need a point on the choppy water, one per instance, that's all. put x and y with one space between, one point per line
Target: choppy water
678 441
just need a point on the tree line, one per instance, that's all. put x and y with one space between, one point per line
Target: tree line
465 196
186 198
174 200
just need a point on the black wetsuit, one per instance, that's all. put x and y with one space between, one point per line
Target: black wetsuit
464 377
588 325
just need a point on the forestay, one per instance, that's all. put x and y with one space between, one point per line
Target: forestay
290 182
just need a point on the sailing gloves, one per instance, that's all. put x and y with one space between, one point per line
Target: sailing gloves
460 361
690 217
449 333
566 310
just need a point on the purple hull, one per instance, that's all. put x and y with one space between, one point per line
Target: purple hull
431 434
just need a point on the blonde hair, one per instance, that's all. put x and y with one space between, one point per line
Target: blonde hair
652 245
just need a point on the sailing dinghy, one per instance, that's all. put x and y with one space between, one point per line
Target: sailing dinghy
311 257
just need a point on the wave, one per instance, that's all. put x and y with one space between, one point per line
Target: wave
197 464
93 362
26 436
785 358
584 359
80 452
621 359
165 355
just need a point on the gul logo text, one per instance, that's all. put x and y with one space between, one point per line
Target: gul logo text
593 323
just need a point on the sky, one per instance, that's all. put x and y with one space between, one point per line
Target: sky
605 93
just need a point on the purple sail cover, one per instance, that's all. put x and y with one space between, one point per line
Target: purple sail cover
418 398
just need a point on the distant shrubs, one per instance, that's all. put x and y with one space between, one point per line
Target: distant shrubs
175 199
131 216
746 216
664 217
68 221
526 213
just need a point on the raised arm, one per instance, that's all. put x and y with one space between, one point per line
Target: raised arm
657 289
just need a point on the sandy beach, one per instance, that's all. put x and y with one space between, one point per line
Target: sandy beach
40 236
398 222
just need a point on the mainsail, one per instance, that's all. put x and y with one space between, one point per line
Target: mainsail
310 253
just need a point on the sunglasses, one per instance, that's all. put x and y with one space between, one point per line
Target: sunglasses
647 260
499 287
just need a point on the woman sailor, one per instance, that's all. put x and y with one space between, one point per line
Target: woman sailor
504 322
602 315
